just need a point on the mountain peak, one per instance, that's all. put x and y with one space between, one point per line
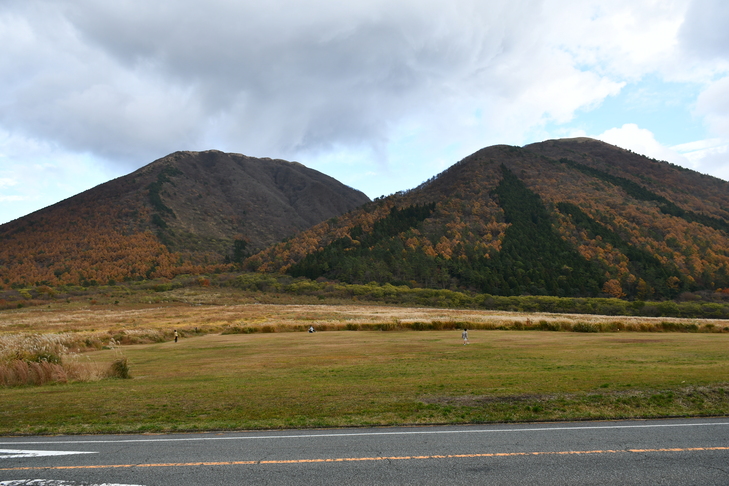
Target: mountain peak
560 217
187 208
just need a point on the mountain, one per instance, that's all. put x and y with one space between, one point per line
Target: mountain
188 212
572 217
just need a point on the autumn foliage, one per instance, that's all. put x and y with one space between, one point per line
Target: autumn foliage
567 218
84 246
630 226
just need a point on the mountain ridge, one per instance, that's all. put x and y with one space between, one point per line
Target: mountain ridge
668 227
188 212
566 217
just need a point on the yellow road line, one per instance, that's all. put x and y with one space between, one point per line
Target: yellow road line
355 459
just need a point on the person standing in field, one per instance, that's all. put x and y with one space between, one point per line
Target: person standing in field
176 335
464 336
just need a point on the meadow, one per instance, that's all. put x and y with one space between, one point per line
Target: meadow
246 365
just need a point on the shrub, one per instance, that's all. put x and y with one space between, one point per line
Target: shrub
440 325
386 326
565 326
240 330
19 372
616 326
119 369
668 309
678 326
304 287
46 357
585 327
549 326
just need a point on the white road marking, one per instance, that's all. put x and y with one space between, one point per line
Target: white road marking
16 453
363 434
53 482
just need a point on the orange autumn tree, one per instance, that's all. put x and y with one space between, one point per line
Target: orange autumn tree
83 247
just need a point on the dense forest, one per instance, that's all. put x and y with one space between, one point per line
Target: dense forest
513 221
187 213
533 258
572 218
82 246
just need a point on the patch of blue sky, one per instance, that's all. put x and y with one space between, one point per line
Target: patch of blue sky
664 108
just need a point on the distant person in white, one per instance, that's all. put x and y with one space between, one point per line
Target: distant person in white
464 336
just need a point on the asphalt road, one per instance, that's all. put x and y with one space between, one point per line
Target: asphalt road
653 452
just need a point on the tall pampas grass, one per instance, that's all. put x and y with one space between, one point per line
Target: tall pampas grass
39 359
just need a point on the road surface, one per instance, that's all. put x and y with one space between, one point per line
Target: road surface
694 451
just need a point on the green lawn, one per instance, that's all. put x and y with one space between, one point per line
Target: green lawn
269 380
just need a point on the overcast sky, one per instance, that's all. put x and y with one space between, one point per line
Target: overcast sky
380 94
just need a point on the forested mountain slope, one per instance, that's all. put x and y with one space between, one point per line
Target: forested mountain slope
562 217
189 212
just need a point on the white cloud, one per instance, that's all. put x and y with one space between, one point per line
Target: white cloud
709 156
704 32
396 89
129 80
713 105
625 38
642 141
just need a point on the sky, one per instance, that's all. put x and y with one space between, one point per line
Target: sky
379 94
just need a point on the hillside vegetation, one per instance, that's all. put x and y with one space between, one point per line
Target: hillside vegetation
566 218
187 213
569 218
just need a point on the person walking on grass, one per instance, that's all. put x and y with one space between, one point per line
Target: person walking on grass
176 335
464 336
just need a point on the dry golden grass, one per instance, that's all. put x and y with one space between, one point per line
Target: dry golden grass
43 344
74 368
164 317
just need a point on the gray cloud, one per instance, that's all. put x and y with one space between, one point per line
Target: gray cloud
132 80
713 105
705 35
371 83
704 31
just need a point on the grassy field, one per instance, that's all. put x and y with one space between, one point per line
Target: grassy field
345 378
212 310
